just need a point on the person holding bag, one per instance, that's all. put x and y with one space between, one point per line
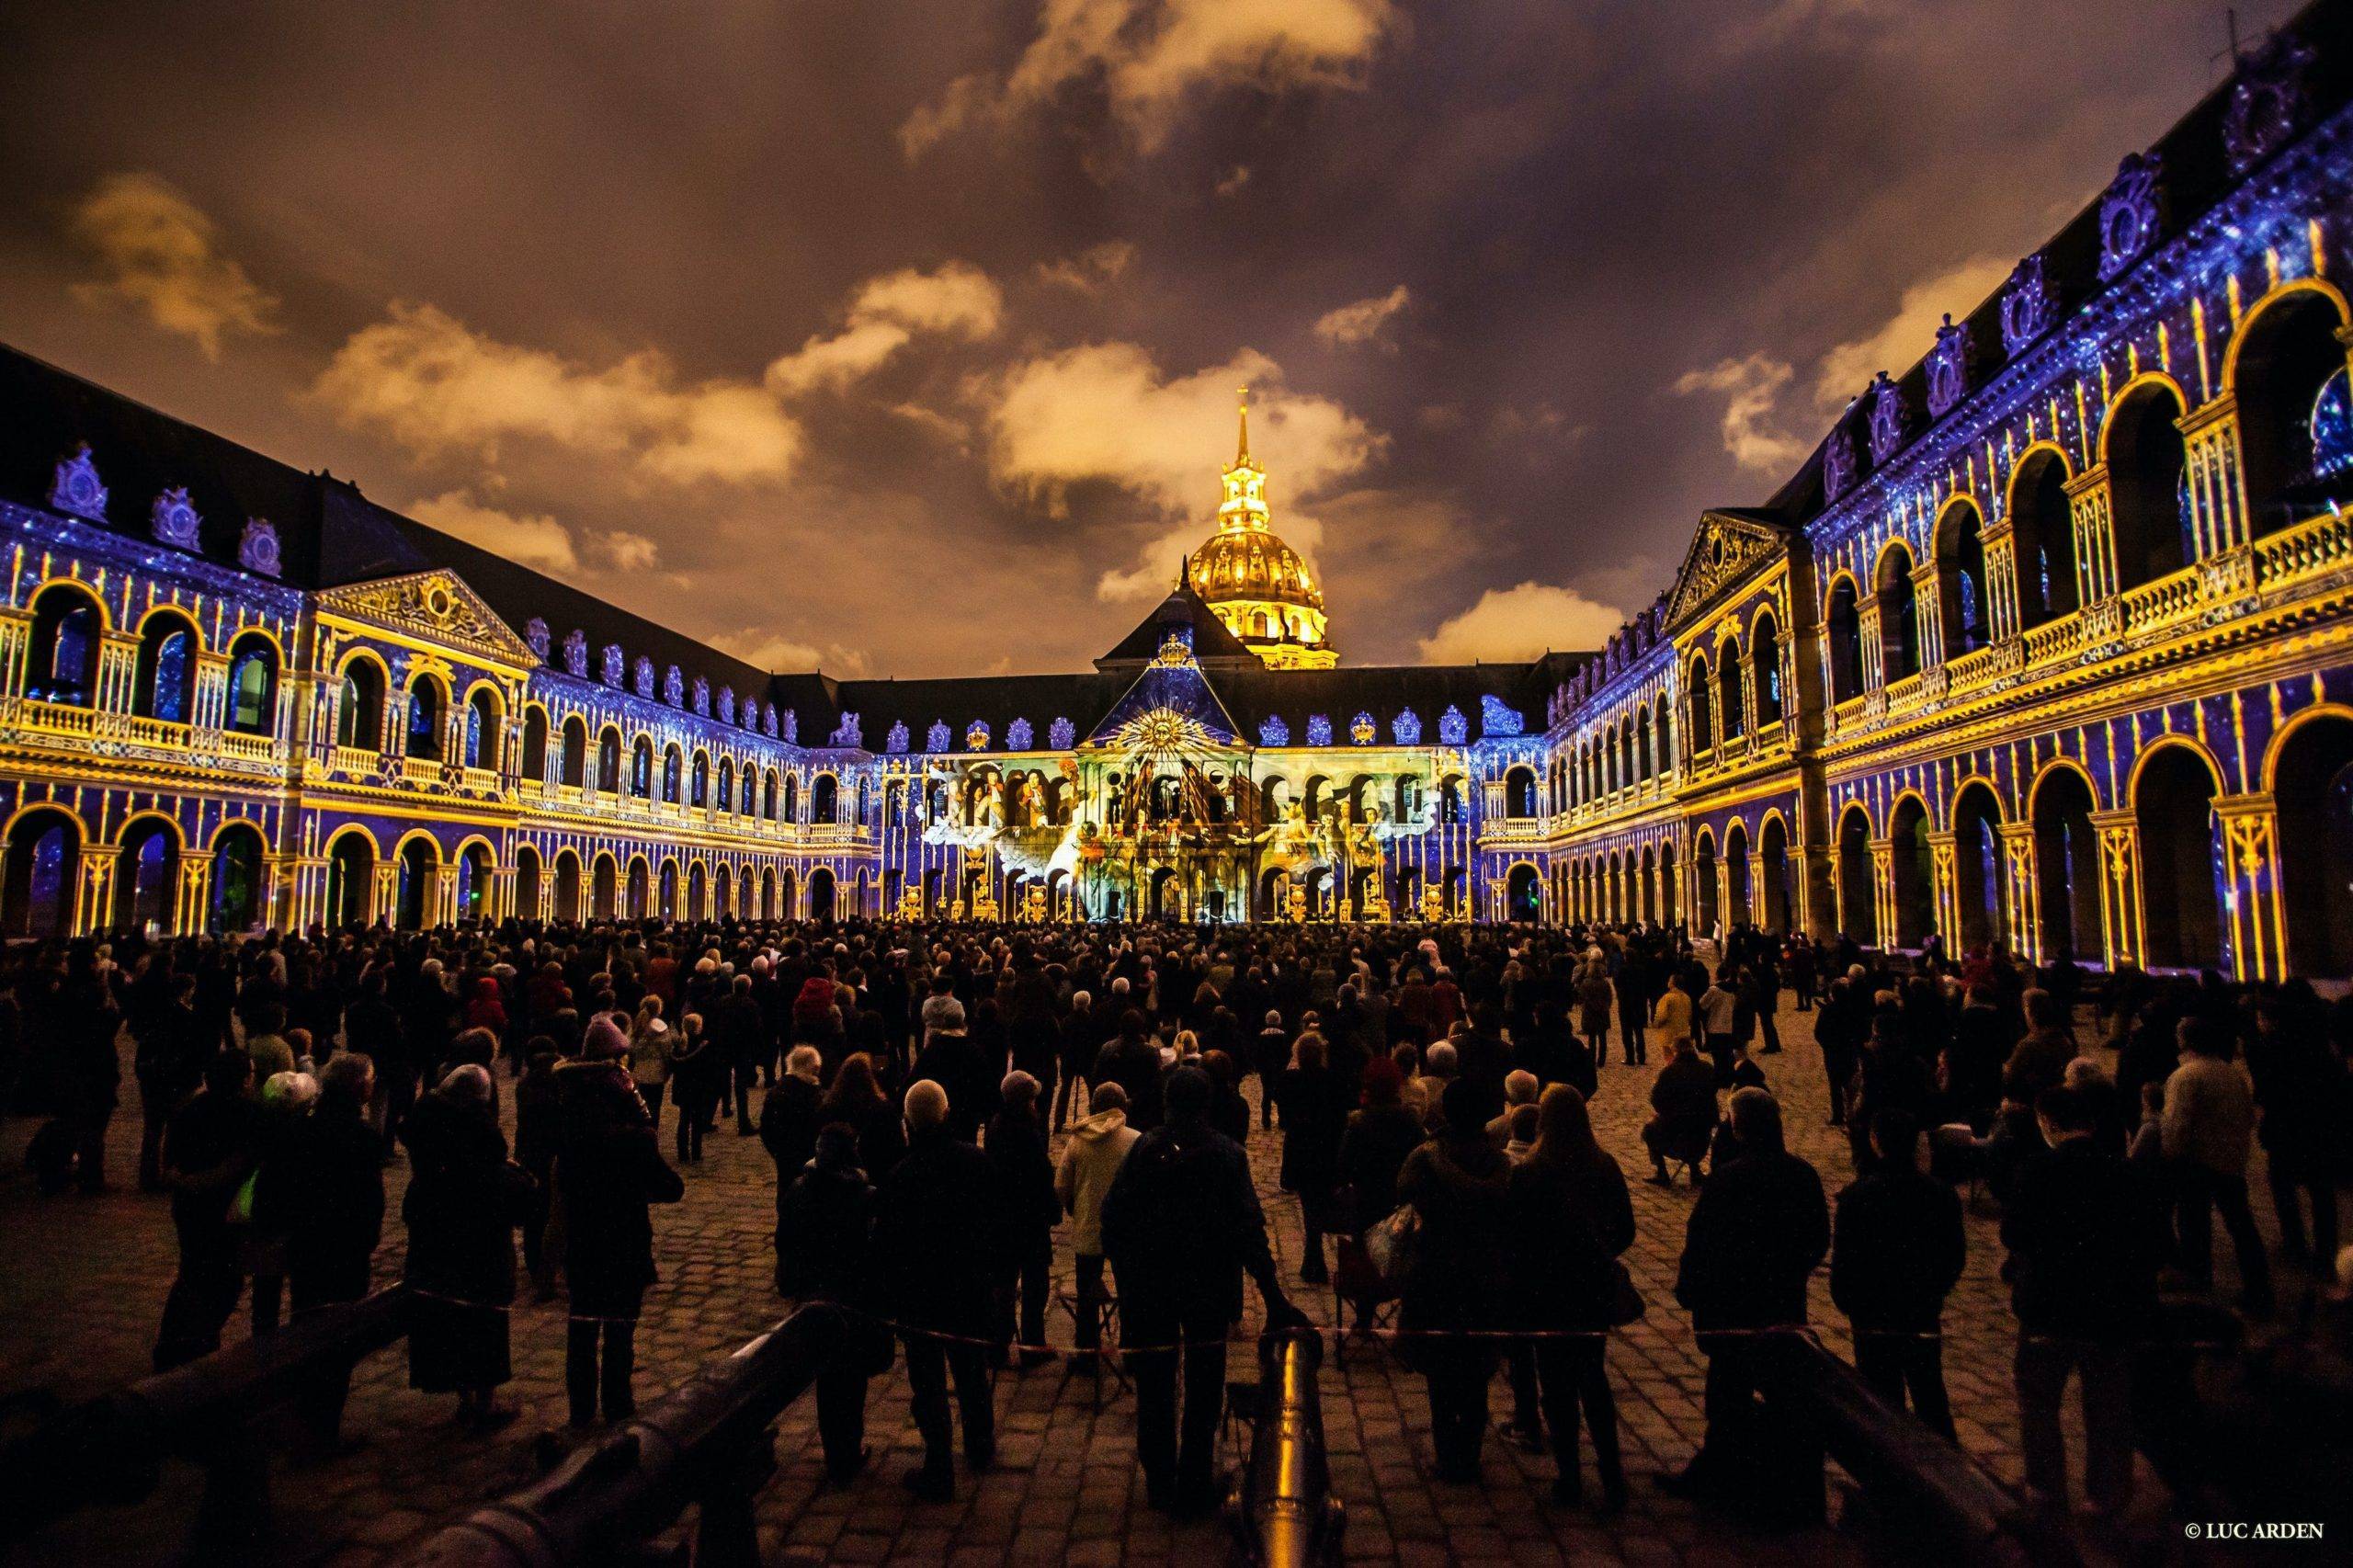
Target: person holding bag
1567 1220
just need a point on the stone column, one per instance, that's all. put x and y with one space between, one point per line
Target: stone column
1928 613
444 894
1867 634
118 684
2088 508
2026 889
2000 539
1944 865
1884 890
2252 896
2210 435
281 902
2119 883
385 892
94 901
194 894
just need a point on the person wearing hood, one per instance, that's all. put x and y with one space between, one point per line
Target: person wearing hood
1091 1159
1456 1183
825 1220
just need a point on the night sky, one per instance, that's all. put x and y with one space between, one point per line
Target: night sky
901 336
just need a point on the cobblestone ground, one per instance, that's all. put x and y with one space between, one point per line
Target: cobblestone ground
82 1280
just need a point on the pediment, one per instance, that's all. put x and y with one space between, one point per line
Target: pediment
434 608
1723 549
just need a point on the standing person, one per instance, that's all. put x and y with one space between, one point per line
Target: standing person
857 1100
2301 1095
1633 987
698 1078
1671 1016
739 1041
1181 1225
649 1056
1374 1145
538 1128
791 1112
325 1192
208 1150
825 1220
1717 1013
937 1258
1091 1159
461 1208
169 1066
1567 1219
1760 1227
89 1074
1839 1030
609 1172
1456 1183
1271 1056
2085 1238
1025 1173
1315 1117
1594 995
1077 1042
1896 1251
1132 1061
2209 1132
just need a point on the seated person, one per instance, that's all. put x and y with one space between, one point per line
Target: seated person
1683 1112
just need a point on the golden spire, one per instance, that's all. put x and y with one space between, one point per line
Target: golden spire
1242 450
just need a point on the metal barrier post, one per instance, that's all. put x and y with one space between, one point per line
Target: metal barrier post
1285 1515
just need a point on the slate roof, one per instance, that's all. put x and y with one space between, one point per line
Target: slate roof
330 535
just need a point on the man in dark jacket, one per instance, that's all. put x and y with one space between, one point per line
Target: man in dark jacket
1895 1254
2085 1238
209 1148
951 1059
1755 1235
1028 1210
1132 1061
739 1038
169 1064
824 1219
936 1257
1181 1225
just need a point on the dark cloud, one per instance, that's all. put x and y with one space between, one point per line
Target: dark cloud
1581 207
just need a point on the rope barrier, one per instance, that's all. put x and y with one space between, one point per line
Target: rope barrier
1341 1333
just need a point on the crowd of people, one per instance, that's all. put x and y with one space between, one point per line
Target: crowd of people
1429 1086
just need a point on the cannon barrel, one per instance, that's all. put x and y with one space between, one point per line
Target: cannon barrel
706 1442
1284 1514
1903 1468
111 1449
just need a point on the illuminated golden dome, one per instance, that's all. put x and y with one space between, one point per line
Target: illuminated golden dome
1255 566
1258 586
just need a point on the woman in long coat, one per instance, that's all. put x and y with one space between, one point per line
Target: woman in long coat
1316 1119
463 1202
1567 1219
1456 1182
